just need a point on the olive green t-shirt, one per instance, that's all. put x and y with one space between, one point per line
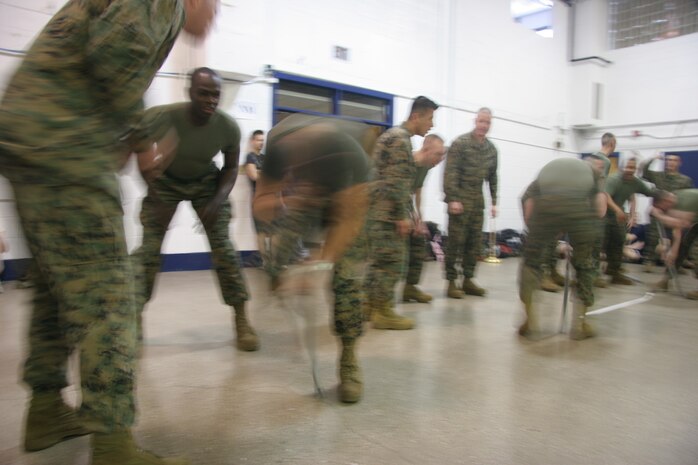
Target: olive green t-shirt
687 200
331 160
197 144
621 190
566 176
422 172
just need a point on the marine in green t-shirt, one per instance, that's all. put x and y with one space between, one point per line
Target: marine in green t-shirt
621 187
180 167
314 186
564 199
680 213
670 179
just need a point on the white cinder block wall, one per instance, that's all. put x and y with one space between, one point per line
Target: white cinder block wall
463 53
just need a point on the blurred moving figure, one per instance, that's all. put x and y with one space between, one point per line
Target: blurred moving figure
608 146
73 99
620 188
564 199
314 186
670 180
679 212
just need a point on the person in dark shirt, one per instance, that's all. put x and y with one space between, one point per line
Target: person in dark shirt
314 186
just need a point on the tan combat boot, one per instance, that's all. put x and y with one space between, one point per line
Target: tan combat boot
351 385
470 288
579 328
412 292
648 266
50 421
384 317
528 283
693 295
548 285
247 339
662 285
118 448
453 291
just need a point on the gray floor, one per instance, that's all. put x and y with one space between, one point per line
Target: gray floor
462 388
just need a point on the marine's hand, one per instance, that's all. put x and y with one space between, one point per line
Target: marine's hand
209 214
455 208
403 227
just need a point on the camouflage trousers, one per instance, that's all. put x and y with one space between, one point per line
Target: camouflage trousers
688 240
83 298
649 251
388 253
156 213
464 243
554 215
614 239
348 274
600 228
417 255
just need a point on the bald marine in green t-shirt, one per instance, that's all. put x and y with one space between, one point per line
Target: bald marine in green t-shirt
181 167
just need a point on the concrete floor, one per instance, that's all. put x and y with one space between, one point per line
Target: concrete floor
462 388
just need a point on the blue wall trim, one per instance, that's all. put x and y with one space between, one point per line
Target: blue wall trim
170 262
14 269
202 261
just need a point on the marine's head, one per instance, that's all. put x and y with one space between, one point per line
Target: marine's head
205 93
628 168
608 143
663 200
421 118
672 163
483 121
257 140
433 150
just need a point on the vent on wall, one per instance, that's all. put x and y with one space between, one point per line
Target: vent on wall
341 53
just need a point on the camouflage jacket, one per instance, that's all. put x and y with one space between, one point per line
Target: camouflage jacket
80 88
394 172
468 165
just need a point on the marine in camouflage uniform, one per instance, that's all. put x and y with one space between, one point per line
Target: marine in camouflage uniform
670 180
314 187
202 131
608 146
389 219
621 186
471 160
431 153
76 93
561 201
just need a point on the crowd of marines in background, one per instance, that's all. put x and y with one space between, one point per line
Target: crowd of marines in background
73 113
